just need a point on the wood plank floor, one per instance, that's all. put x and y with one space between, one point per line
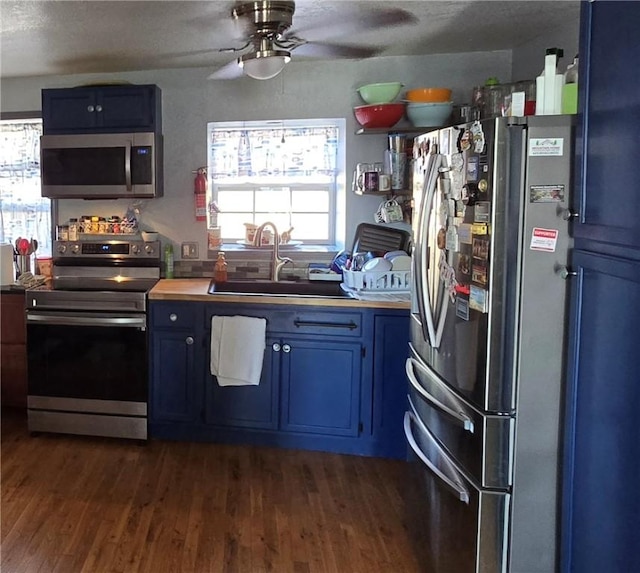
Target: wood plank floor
79 504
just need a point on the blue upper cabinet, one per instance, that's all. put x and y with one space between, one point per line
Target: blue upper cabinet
608 176
102 109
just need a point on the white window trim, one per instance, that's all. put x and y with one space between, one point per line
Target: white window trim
337 207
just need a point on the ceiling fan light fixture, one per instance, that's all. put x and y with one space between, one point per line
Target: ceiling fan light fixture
265 64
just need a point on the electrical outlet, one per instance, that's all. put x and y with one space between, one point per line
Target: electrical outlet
189 250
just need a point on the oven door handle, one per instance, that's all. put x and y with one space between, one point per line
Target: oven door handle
74 319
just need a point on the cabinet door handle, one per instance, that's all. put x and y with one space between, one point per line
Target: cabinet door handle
276 347
350 325
90 108
286 348
189 340
98 108
173 317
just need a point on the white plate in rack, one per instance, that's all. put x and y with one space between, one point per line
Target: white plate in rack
289 245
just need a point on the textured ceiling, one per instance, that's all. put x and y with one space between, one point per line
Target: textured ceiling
74 37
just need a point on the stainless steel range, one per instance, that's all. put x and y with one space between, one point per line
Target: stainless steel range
87 340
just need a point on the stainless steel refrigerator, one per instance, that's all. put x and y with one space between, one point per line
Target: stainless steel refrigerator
488 326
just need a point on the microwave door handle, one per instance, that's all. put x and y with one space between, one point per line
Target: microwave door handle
459 415
456 487
127 165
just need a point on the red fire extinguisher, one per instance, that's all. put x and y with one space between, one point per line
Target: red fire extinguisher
200 194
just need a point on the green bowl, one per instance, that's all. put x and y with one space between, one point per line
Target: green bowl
380 93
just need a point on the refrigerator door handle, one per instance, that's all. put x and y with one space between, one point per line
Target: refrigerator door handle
420 260
465 421
452 481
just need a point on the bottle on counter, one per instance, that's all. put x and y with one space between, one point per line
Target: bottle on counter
220 269
168 261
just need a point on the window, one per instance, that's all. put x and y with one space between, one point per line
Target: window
285 172
23 212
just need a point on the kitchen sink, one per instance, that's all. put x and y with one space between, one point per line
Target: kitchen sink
282 288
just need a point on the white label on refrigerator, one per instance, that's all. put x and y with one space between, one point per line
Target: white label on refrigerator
544 240
546 147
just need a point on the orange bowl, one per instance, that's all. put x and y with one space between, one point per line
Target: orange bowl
429 95
379 116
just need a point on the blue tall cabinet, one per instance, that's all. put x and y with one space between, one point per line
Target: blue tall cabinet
601 499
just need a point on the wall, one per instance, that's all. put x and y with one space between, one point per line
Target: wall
305 89
528 59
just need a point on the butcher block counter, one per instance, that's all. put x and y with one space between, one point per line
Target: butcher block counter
196 290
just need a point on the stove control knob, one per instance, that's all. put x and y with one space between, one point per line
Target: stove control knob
62 248
75 249
135 249
148 249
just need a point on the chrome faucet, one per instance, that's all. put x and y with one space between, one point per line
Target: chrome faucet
277 262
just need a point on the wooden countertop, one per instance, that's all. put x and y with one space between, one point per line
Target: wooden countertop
196 290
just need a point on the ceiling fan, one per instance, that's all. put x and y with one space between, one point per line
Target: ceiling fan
267 33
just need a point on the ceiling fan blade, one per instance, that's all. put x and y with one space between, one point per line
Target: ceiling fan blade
319 50
229 71
354 21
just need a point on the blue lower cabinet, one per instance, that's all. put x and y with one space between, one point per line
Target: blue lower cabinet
326 385
390 384
602 440
174 377
246 406
320 387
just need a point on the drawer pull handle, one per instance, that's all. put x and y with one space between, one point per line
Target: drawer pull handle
276 347
189 340
350 325
286 348
173 317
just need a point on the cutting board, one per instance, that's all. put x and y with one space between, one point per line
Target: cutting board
380 239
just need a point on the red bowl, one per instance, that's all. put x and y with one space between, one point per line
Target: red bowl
381 115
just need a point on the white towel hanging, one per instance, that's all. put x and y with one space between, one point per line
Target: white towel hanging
237 349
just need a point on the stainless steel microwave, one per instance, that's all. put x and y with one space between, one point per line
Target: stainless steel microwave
101 166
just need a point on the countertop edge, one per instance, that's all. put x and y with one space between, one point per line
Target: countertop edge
196 290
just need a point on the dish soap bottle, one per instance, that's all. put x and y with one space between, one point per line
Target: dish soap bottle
168 261
570 88
220 269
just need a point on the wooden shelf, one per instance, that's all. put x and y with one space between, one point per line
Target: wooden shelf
397 129
394 193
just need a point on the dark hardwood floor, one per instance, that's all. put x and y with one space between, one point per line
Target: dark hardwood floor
79 504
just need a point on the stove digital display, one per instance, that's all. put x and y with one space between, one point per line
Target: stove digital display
105 249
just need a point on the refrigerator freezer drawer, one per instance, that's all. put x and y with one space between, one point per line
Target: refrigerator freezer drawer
465 528
480 443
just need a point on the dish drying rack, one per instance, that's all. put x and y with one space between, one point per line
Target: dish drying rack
377 281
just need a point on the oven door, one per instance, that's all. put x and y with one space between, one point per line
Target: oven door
87 373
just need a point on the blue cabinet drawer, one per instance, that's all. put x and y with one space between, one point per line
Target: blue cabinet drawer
171 314
326 323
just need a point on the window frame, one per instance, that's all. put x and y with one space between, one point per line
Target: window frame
18 116
335 185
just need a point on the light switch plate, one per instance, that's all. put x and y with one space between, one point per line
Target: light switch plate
189 250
